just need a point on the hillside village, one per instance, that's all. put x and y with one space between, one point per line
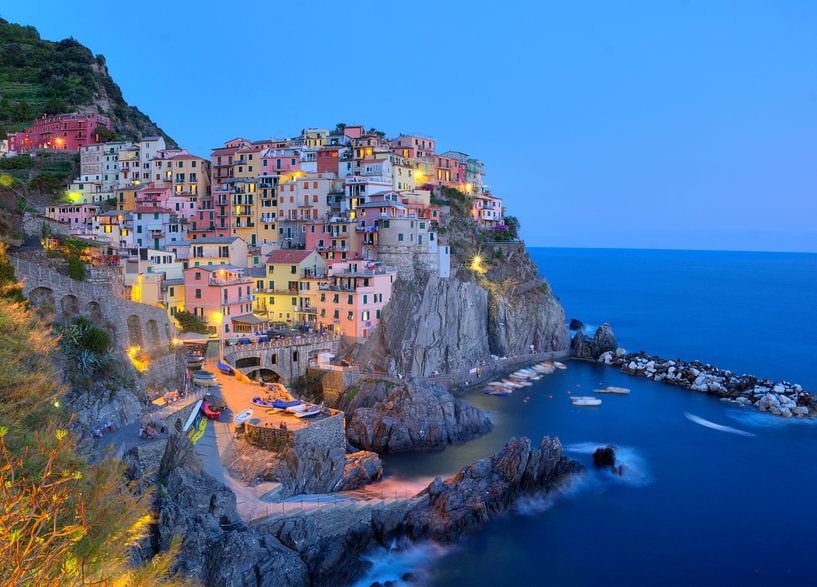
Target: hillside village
307 233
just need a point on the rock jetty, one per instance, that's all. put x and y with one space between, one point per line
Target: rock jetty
780 398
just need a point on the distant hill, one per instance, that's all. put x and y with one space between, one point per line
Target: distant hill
46 77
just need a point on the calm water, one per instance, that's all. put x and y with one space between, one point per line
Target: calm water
696 505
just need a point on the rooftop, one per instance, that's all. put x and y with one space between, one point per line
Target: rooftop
288 256
215 240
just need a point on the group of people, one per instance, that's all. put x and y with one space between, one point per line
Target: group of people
100 430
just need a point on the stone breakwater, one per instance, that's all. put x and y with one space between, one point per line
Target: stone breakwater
779 398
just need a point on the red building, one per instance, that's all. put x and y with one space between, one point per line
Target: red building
328 158
66 132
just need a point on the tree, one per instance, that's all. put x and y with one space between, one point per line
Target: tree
339 128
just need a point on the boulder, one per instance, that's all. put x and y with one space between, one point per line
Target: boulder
604 457
575 324
398 416
603 341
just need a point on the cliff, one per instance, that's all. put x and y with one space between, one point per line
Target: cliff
494 303
47 77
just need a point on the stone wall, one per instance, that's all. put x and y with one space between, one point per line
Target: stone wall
333 382
273 439
130 323
328 433
35 224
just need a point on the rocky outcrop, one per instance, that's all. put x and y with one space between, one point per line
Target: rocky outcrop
603 341
304 469
487 487
396 416
215 549
440 325
780 398
327 549
576 324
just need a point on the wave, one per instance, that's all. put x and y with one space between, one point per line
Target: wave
402 566
636 472
715 426
759 419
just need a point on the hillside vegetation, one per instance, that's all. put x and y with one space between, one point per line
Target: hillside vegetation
46 77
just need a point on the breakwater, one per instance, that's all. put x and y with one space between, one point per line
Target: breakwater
780 398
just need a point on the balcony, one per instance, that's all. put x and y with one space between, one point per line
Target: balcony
220 281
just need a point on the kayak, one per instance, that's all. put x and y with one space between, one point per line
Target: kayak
243 416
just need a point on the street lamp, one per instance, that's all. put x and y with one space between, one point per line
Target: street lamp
219 317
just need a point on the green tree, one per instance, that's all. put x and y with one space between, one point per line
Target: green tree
76 269
190 323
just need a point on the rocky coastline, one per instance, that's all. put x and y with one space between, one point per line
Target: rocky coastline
780 398
326 547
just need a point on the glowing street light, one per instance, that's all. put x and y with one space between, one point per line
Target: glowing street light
477 266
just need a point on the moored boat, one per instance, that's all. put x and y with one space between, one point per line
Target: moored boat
585 401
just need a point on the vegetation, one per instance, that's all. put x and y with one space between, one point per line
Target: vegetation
45 77
76 269
62 520
190 323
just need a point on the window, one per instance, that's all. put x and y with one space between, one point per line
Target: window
293 269
198 294
171 292
198 275
350 300
336 315
400 237
350 315
365 298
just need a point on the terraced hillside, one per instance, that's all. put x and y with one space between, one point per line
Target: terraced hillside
46 77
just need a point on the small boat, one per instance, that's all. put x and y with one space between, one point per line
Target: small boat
496 391
297 409
193 360
611 389
243 416
312 411
204 378
559 365
209 412
225 368
585 400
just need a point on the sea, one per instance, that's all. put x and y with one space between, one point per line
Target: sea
712 494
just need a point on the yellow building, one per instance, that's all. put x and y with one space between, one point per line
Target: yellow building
289 291
126 197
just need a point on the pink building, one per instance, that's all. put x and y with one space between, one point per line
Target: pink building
74 215
219 295
352 302
61 131
280 161
153 196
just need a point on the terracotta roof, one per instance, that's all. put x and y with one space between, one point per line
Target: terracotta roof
289 256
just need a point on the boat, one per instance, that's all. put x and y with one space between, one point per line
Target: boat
611 389
193 360
311 411
204 378
209 411
559 365
225 368
243 416
585 400
497 391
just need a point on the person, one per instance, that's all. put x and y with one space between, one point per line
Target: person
531 349
479 372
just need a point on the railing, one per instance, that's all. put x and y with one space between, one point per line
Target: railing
285 342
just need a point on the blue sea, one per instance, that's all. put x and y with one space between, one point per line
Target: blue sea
696 505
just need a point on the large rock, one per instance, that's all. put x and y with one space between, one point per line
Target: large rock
304 469
397 416
603 341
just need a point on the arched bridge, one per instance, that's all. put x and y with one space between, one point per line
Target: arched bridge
287 358
130 323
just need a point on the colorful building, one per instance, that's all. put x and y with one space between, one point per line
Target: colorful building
66 132
288 290
351 302
219 295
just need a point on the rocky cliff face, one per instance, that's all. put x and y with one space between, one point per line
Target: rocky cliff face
603 341
388 416
439 325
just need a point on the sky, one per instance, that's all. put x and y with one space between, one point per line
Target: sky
673 124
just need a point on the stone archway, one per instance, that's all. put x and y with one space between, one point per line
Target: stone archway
69 305
135 331
94 311
265 375
248 362
153 334
43 297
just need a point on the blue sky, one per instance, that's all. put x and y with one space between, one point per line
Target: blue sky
672 124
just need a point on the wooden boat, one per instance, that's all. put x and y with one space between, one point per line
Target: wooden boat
225 368
585 401
611 389
559 365
242 417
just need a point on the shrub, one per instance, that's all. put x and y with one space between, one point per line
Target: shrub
190 323
76 269
92 338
